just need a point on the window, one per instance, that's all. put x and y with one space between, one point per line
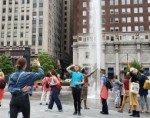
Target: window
84 13
111 2
111 29
3 26
3 18
22 17
116 2
141 19
148 9
8 43
116 29
15 17
27 17
140 10
123 2
8 35
28 1
141 28
15 34
22 26
135 10
4 10
111 20
136 28
111 11
10 10
9 26
40 8
123 20
84 4
9 18
87 55
22 9
33 41
128 1
4 2
27 35
128 10
124 29
2 35
103 3
84 22
128 19
116 11
84 30
136 19
27 26
103 11
22 1
140 1
16 9
40 1
116 20
128 28
40 42
103 20
14 43
2 43
16 1
21 34
123 10
148 1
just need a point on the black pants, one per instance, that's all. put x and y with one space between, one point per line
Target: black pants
55 98
20 103
76 93
104 106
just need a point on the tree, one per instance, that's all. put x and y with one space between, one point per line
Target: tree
135 64
6 64
47 61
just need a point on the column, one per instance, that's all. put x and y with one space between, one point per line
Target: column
103 58
138 52
117 59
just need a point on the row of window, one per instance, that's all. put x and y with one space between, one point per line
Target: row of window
126 19
16 18
126 28
14 43
15 35
126 10
15 26
16 1
124 2
15 9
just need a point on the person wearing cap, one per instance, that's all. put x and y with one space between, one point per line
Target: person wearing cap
19 85
77 79
132 96
103 92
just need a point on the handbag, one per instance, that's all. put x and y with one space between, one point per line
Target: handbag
134 88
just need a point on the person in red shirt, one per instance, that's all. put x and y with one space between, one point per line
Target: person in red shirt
1 90
46 88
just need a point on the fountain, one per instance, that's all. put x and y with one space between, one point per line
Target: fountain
95 48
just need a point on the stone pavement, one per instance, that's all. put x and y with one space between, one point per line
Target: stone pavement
38 111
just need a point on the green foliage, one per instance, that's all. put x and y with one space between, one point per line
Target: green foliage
6 64
135 64
47 61
65 83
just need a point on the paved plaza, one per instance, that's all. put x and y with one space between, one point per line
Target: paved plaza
38 111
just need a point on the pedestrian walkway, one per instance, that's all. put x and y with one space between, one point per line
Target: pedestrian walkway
38 111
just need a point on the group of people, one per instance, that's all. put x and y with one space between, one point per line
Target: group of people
21 85
121 89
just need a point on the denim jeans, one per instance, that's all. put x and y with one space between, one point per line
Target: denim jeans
143 99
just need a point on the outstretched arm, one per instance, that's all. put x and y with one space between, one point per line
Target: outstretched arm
69 67
90 73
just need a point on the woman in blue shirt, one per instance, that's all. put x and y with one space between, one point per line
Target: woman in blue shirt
20 84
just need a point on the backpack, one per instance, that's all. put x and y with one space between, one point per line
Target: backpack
147 84
2 84
109 84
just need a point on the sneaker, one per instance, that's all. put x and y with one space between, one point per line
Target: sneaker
75 113
47 110
40 103
104 113
60 110
79 113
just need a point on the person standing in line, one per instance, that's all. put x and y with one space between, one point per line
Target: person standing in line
132 96
1 89
19 85
85 87
143 92
54 92
103 92
46 88
77 79
126 93
117 90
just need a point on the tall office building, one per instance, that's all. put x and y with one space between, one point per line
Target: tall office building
34 23
125 36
